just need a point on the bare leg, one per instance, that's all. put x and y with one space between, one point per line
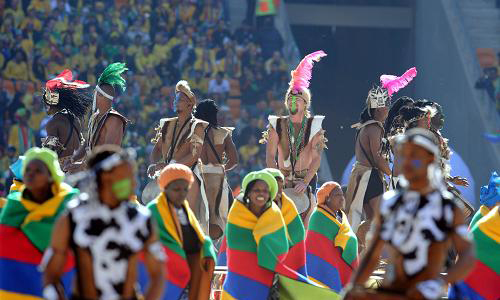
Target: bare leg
369 209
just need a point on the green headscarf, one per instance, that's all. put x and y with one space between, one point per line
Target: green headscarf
265 176
275 173
47 156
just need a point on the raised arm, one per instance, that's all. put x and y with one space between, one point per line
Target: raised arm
272 148
231 152
54 257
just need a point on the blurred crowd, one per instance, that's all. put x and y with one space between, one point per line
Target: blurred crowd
161 42
490 78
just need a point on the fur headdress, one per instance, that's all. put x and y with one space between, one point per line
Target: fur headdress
183 87
112 76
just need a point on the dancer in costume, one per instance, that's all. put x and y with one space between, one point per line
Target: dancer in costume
67 103
332 246
191 256
106 125
218 156
418 224
105 232
367 182
26 223
489 197
299 140
256 239
296 257
180 140
482 282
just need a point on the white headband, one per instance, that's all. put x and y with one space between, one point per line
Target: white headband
104 93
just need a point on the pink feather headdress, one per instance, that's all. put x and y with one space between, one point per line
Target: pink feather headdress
303 73
65 80
393 83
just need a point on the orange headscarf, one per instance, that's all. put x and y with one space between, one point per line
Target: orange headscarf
174 172
325 190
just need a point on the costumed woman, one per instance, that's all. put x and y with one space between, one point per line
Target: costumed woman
256 239
26 223
67 103
191 256
298 139
332 246
367 182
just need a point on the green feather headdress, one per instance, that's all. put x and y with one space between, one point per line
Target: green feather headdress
112 75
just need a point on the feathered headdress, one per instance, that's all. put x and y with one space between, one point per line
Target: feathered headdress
303 73
112 75
62 81
393 83
183 87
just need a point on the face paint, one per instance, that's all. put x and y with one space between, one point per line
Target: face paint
176 100
293 109
417 163
122 189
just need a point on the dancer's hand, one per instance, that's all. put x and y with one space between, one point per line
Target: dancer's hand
300 187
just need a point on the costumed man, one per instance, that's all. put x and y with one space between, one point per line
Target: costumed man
482 282
106 125
26 224
218 156
298 139
256 238
191 255
67 104
489 197
296 257
180 140
367 182
105 231
418 224
332 246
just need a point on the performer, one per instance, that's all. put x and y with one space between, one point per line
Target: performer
332 246
256 239
180 140
106 125
299 140
191 256
482 282
418 223
105 232
367 182
218 156
488 198
67 103
296 257
26 223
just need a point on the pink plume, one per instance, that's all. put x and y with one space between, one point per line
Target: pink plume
65 80
303 73
393 83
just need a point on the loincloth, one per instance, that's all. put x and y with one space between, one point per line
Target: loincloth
217 192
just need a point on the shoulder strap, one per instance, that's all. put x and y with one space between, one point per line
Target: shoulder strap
207 138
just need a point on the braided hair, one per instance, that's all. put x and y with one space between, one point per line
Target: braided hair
75 101
207 111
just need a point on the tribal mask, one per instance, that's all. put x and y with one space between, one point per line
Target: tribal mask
378 97
50 97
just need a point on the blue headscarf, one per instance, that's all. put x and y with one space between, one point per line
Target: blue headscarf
17 167
490 194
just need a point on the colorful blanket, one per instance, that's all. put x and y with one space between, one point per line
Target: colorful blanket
482 282
332 249
180 268
483 211
222 255
26 227
255 249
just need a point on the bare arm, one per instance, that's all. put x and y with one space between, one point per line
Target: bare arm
112 131
375 136
231 152
156 154
195 146
154 259
317 150
272 148
465 262
56 255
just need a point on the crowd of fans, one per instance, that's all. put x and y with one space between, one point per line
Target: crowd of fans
490 79
161 42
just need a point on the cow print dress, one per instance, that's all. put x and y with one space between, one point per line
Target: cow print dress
111 236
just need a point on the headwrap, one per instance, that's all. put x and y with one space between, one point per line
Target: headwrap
174 172
325 190
299 84
112 76
264 176
275 173
183 87
62 81
48 157
17 168
380 96
490 194
423 138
